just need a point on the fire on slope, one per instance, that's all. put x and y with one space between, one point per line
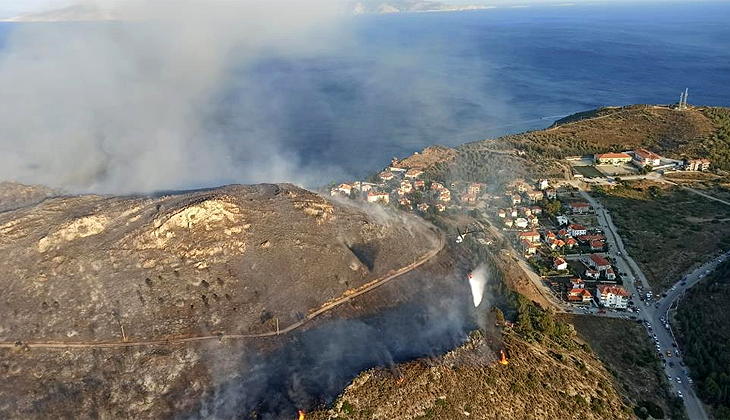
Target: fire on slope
503 358
301 415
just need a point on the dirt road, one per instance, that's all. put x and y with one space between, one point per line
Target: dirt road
393 274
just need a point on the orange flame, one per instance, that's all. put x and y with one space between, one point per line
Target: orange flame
301 415
502 358
401 379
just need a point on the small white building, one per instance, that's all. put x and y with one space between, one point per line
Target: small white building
560 264
577 230
521 223
562 220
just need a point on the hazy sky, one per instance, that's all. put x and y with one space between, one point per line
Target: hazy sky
10 7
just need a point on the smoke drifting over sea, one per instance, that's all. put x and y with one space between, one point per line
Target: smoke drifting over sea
135 105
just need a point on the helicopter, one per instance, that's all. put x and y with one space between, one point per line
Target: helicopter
462 235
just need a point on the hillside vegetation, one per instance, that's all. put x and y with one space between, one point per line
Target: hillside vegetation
696 132
666 229
705 338
548 375
628 355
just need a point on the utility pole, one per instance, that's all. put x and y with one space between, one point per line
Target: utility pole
124 336
277 326
686 92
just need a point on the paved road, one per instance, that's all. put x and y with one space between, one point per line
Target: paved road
393 274
625 263
651 314
695 410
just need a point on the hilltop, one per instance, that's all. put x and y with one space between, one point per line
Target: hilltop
233 259
698 131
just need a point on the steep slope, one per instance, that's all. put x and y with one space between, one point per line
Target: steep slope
237 259
547 376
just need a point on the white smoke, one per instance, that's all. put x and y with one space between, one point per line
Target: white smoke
130 105
478 282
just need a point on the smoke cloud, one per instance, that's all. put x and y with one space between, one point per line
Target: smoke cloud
136 105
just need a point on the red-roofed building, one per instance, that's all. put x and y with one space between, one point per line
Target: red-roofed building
598 263
474 188
528 247
570 243
579 295
532 236
612 158
560 264
386 175
597 245
577 230
592 274
644 157
414 173
419 184
577 284
374 197
613 296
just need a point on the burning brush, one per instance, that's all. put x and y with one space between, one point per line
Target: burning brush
301 415
503 358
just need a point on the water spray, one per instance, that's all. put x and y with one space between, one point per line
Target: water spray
477 282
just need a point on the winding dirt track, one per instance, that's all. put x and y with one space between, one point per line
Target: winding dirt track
222 336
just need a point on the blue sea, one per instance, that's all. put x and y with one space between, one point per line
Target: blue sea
402 82
412 80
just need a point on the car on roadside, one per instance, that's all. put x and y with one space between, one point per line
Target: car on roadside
684 283
669 378
679 394
690 380
679 380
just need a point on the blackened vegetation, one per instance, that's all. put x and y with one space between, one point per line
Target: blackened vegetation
365 253
312 367
705 338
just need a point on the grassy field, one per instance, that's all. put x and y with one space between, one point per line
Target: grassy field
626 351
667 230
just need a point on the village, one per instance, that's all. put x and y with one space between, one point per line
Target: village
553 227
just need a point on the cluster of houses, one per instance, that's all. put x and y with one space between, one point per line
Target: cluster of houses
523 198
398 184
600 272
643 157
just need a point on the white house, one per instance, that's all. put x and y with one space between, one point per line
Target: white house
560 264
577 230
613 296
562 220
521 223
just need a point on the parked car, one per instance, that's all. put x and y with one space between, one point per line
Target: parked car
679 394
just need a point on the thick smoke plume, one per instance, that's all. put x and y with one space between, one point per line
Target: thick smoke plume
136 104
